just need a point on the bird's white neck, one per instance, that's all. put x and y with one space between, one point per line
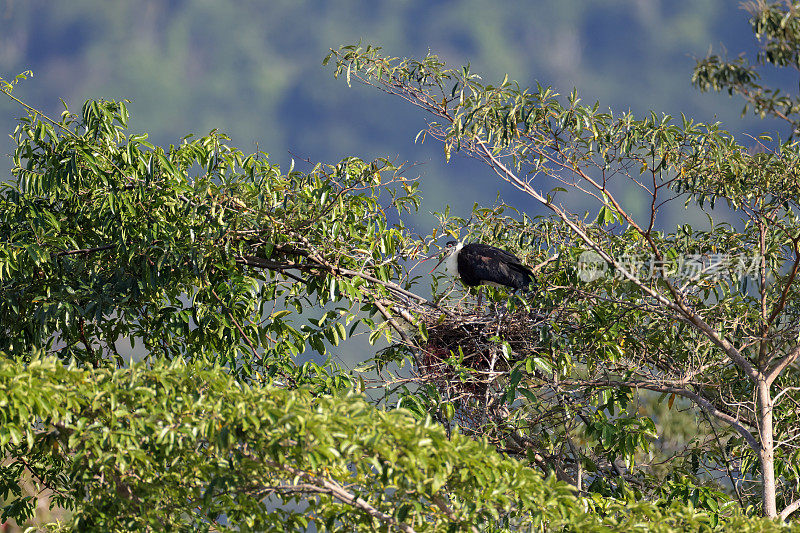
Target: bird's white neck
451 263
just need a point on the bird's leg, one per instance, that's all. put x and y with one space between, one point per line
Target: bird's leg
480 299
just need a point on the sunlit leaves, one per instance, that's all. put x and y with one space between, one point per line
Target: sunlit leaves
172 442
189 248
777 28
8 86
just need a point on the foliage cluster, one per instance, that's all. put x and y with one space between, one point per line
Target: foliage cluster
188 445
100 224
225 269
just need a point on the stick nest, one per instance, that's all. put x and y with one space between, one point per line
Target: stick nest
467 357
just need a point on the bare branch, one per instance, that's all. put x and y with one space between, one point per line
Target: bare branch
775 371
325 486
702 402
789 509
393 322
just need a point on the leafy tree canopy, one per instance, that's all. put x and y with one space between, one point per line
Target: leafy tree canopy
226 268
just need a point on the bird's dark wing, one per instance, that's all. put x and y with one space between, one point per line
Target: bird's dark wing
493 252
483 264
524 275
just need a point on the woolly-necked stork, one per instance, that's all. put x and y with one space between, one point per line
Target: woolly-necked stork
480 264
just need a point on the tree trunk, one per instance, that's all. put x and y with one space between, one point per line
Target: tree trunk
767 449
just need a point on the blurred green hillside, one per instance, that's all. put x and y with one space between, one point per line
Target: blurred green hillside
253 68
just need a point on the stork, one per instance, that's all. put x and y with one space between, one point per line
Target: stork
480 264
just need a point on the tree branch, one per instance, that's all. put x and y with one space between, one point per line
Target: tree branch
699 400
324 486
775 371
393 322
789 509
785 292
85 250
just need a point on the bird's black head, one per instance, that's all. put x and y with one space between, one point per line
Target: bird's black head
450 244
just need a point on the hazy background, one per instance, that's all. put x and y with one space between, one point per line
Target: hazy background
253 68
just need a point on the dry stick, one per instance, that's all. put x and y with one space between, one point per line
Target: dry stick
391 320
544 263
406 315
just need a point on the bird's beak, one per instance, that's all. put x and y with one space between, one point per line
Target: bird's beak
439 263
435 255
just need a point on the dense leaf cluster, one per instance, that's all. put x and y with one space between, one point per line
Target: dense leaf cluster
194 250
188 445
92 255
